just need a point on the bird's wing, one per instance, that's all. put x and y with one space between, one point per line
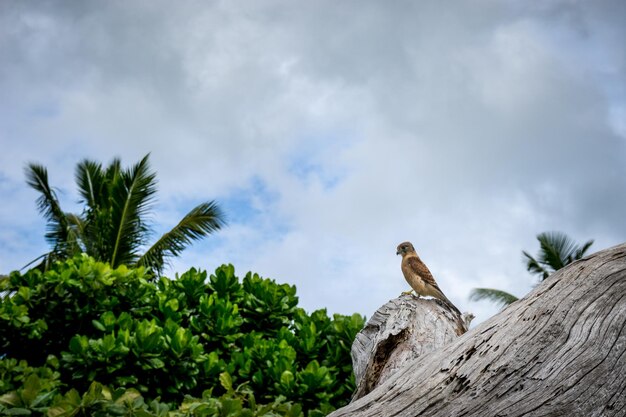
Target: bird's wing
423 272
418 268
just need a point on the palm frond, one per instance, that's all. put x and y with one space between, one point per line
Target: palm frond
533 266
89 178
201 221
131 196
113 171
580 253
47 203
76 239
60 234
42 266
93 187
556 251
498 297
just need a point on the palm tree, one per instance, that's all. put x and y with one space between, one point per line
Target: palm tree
556 251
113 226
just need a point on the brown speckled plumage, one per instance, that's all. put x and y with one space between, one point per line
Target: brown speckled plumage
418 275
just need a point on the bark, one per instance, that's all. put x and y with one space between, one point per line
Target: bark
400 331
559 351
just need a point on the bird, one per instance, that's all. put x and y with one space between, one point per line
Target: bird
418 275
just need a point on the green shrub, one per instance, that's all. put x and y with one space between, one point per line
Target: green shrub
170 346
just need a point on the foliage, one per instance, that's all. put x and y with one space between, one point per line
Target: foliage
498 297
556 251
113 226
192 345
100 400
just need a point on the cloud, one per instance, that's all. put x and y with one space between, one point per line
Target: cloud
331 131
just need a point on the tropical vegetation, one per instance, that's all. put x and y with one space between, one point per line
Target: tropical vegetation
556 250
114 225
86 338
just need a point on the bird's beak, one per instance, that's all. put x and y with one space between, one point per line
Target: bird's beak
397 252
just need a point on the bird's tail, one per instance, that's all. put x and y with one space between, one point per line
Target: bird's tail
449 303
463 327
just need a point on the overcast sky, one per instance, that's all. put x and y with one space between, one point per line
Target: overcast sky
330 131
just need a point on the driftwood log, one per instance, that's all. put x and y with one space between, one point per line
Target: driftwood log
559 351
400 331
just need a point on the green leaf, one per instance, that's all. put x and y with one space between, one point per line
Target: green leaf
116 410
10 398
72 397
98 325
286 378
156 363
17 412
31 389
232 407
108 319
129 396
226 381
172 304
24 293
43 399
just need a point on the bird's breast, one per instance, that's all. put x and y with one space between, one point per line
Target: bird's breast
414 280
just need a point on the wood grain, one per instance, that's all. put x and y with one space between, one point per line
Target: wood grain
403 329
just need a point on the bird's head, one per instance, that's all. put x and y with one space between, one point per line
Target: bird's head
404 248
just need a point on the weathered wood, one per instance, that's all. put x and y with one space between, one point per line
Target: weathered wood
403 329
559 351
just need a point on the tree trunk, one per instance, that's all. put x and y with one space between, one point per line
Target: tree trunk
559 351
400 331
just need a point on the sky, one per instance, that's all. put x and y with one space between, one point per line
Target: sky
329 131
